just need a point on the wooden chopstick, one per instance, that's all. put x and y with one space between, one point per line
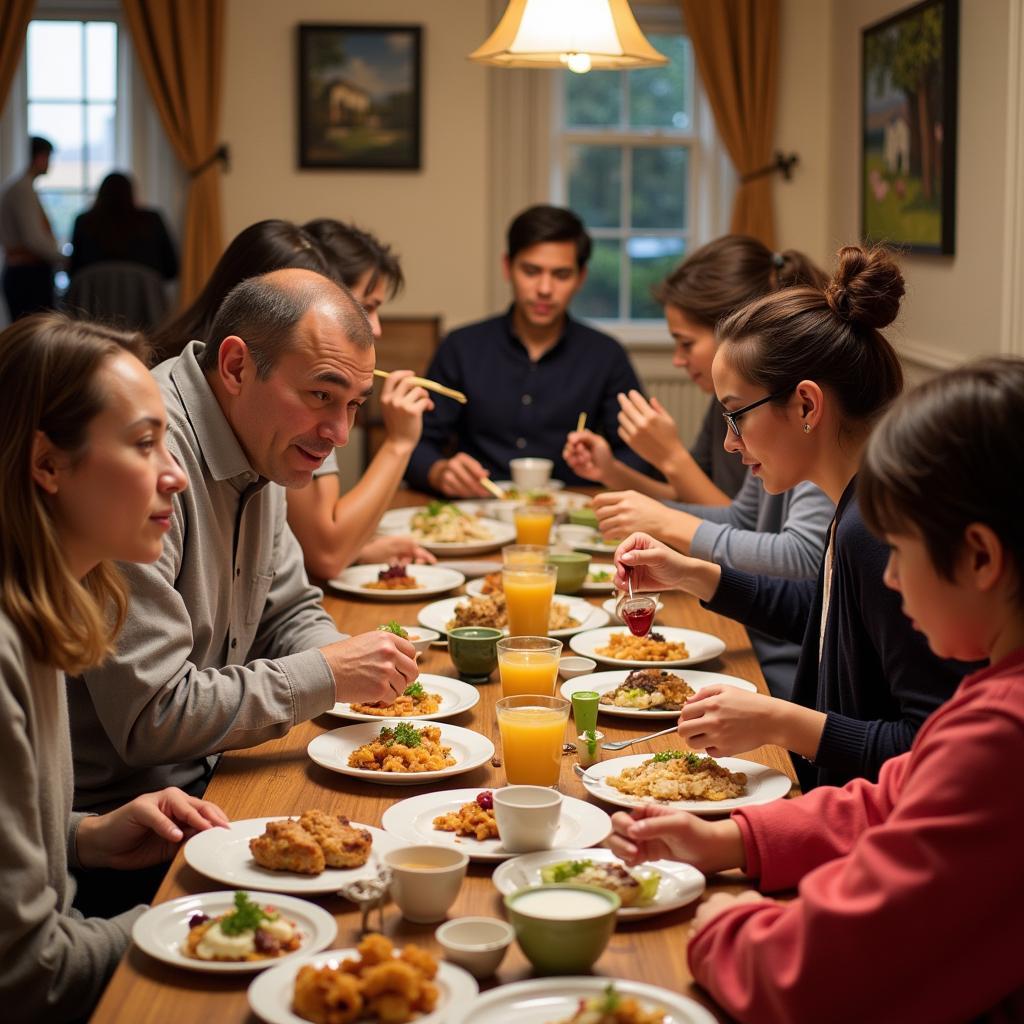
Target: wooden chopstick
488 484
581 422
430 385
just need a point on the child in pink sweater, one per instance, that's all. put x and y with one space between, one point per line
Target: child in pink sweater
910 891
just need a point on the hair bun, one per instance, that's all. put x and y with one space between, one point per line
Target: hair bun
866 288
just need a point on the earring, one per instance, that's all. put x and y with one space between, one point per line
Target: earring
807 428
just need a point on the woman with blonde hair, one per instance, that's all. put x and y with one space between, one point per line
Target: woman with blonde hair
85 480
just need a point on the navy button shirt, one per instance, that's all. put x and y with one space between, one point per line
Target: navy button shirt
520 408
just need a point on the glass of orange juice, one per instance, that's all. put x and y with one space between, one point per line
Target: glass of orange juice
532 732
518 555
533 524
528 592
528 664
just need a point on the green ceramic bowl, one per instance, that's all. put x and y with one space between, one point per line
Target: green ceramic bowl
572 570
555 944
473 652
583 517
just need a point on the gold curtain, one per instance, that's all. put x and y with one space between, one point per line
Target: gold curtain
179 44
736 45
14 17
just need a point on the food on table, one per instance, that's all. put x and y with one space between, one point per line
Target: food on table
612 1008
491 583
653 647
533 497
249 932
403 748
650 689
632 888
394 627
474 820
600 576
394 577
307 845
380 986
443 523
414 700
492 611
679 775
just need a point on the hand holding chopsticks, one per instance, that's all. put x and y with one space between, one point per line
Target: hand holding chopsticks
430 385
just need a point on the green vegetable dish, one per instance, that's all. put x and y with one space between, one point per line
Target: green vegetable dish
394 627
634 888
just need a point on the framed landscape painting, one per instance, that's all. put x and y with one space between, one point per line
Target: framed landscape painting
908 128
359 96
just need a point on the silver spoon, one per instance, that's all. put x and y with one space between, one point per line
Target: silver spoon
619 744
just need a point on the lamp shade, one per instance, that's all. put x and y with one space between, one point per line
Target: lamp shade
580 34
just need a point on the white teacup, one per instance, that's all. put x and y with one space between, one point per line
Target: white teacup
530 474
425 880
527 817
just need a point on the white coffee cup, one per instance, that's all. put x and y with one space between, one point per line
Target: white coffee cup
529 474
425 880
527 817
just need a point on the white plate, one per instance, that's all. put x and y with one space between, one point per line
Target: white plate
270 995
412 821
549 999
433 579
399 520
680 883
223 855
456 697
609 607
161 931
702 646
438 614
764 785
331 750
598 547
590 587
551 485
476 588
602 682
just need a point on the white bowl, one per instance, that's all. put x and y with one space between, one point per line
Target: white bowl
503 511
572 534
420 637
530 474
478 944
569 668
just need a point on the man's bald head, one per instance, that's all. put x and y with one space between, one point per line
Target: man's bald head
264 312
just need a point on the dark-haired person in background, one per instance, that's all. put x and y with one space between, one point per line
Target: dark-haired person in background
528 373
30 249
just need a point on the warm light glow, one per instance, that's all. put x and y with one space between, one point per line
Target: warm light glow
580 34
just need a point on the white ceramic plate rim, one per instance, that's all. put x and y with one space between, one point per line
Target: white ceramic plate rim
330 750
768 785
685 876
436 615
475 589
599 588
602 682
596 547
703 646
152 931
436 579
463 695
270 994
204 853
399 821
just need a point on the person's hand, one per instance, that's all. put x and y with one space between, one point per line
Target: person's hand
402 405
146 831
395 550
653 832
648 429
588 455
718 902
654 567
371 667
620 513
725 720
459 477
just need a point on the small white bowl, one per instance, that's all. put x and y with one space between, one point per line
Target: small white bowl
569 668
478 944
530 474
420 637
571 534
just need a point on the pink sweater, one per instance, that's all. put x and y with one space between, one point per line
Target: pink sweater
910 891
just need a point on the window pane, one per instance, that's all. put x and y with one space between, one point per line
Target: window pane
61 123
593 99
660 180
599 296
54 60
101 60
61 209
100 125
663 97
595 184
651 260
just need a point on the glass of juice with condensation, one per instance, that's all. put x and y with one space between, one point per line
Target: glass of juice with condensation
532 733
528 664
516 556
533 524
528 593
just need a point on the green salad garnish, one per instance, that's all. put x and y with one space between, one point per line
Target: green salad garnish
435 508
602 576
246 917
403 733
394 627
612 999
591 735
414 690
563 870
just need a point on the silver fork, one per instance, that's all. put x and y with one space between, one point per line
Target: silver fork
619 744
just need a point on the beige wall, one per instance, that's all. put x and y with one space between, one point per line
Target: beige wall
436 217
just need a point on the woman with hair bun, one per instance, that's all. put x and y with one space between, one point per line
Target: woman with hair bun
803 375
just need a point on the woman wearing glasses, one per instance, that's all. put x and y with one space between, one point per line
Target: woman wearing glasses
803 376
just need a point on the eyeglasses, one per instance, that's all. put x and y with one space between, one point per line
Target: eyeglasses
732 418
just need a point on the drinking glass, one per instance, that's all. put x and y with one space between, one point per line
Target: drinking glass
532 733
533 524
528 593
528 664
519 555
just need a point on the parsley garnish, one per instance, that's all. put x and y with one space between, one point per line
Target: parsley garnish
603 576
403 733
591 735
612 999
414 690
246 917
692 760
394 627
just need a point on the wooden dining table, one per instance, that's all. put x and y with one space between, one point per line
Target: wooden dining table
278 778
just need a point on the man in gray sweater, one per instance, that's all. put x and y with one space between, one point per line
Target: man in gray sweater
226 643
